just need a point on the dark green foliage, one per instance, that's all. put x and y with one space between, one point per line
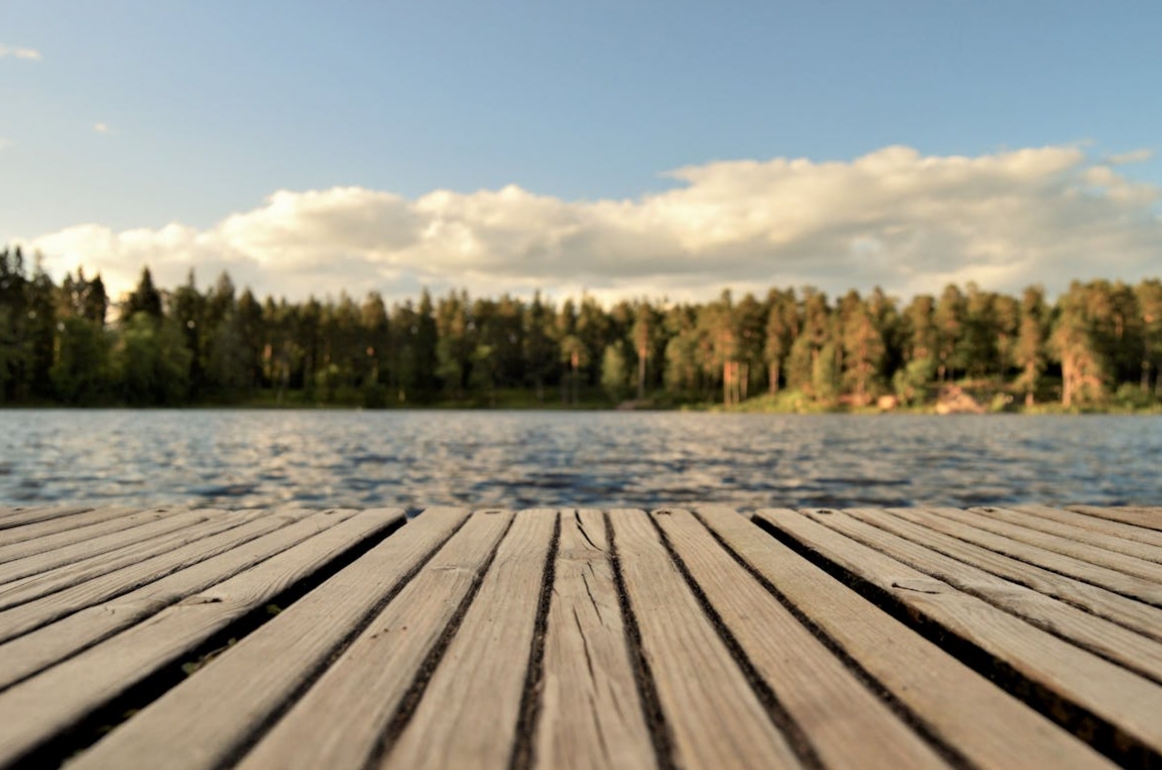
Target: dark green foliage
615 372
1099 344
540 355
144 299
152 363
81 374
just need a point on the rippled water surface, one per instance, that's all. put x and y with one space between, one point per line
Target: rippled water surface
521 459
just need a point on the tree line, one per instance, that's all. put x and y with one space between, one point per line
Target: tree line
169 347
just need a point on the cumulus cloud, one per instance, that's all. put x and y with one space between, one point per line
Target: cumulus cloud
29 54
894 218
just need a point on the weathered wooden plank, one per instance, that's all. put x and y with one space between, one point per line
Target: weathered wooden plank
29 616
1096 523
1096 634
9 510
952 703
32 587
63 524
1118 582
1124 703
1141 617
105 548
591 714
18 517
1127 565
845 723
1147 518
26 655
711 713
193 726
31 545
468 714
42 707
1073 532
340 721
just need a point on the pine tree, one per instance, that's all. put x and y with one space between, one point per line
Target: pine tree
920 329
455 346
750 322
14 327
575 355
949 320
1149 296
782 329
614 372
682 369
539 354
404 326
81 373
864 352
720 347
643 333
41 331
1029 353
1084 369
595 332
980 333
426 339
249 313
144 299
1006 326
96 306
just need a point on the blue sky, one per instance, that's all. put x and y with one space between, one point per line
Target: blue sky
126 117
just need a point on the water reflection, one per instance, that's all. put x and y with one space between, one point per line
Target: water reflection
521 459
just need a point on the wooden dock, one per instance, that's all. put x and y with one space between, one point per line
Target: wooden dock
862 638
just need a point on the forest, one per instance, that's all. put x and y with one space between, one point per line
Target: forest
1096 346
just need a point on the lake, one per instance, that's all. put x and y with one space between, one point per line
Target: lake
242 458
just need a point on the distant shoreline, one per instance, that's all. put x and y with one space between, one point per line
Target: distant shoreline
1050 409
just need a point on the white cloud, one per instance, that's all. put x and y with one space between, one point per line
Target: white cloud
895 218
101 128
29 54
1134 156
4 143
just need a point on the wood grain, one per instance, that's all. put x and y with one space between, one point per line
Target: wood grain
76 594
1097 523
1127 565
1131 650
468 713
909 523
18 517
76 523
194 726
1074 532
846 724
591 714
51 702
582 639
1110 692
105 549
714 716
1118 582
954 704
339 721
30 587
35 651
1148 518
